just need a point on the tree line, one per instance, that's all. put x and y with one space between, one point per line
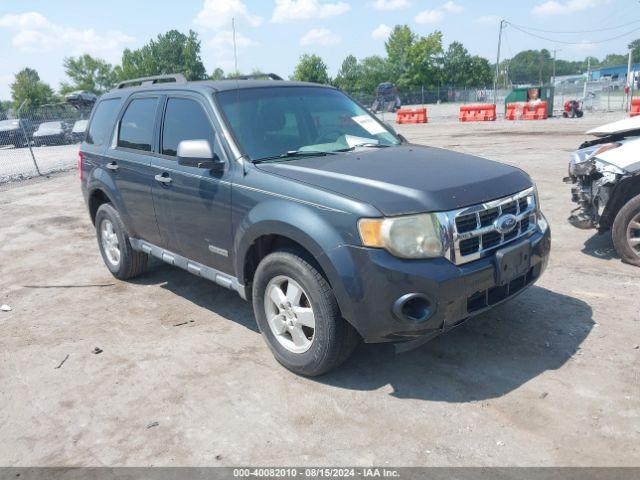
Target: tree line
411 61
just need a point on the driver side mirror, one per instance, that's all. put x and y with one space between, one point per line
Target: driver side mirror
198 154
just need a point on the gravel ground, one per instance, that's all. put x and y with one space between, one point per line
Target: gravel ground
551 378
17 163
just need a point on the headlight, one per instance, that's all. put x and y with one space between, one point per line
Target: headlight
582 161
542 222
540 218
413 236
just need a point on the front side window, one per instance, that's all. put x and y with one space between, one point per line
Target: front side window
271 122
137 124
102 121
185 119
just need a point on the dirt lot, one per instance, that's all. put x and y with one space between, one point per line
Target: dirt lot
551 378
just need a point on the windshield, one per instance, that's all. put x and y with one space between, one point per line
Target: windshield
274 122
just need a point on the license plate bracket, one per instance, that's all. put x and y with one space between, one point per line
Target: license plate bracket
512 262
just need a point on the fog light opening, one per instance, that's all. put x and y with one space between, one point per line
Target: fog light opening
413 307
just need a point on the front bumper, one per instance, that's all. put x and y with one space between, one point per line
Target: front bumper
450 294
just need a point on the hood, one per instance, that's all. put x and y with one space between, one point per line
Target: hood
621 126
407 179
625 157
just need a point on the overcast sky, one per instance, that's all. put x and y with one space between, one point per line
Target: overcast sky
272 34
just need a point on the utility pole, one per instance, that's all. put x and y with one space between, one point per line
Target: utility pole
495 80
540 64
629 80
235 50
584 93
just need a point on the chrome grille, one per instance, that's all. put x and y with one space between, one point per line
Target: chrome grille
474 234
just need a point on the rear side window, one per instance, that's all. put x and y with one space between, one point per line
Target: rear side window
185 119
102 122
136 127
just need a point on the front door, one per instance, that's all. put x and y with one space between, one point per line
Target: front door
193 205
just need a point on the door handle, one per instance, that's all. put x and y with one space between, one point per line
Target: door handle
166 179
112 166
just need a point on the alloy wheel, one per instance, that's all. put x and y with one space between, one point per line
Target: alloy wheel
110 243
289 314
633 234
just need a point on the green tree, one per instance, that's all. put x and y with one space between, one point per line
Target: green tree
28 89
373 71
398 47
424 62
172 52
531 66
349 75
218 74
591 62
311 68
460 69
614 60
5 107
88 73
456 65
480 72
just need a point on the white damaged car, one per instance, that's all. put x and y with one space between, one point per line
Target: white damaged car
605 173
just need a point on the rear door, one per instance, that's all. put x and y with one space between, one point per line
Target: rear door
128 161
193 205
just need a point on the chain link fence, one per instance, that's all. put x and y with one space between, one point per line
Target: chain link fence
595 96
40 141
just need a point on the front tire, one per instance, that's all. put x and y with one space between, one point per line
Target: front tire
626 232
113 240
298 315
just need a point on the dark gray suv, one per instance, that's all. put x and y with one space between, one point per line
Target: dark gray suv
296 197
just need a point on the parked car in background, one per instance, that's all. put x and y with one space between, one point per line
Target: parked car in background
16 132
82 100
78 131
605 173
387 98
52 133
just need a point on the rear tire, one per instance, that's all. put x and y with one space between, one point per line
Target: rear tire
323 347
113 240
626 232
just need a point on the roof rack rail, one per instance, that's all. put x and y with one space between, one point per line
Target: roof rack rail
270 76
172 78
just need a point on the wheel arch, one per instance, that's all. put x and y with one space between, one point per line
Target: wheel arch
97 197
627 189
301 228
101 188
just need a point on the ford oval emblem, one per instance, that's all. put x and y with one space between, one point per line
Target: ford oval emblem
505 223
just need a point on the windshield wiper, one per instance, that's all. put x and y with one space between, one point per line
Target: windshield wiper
294 153
365 144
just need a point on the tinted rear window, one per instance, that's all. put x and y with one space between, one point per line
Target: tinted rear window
102 122
137 125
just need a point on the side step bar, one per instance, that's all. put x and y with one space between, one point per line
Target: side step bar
190 266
